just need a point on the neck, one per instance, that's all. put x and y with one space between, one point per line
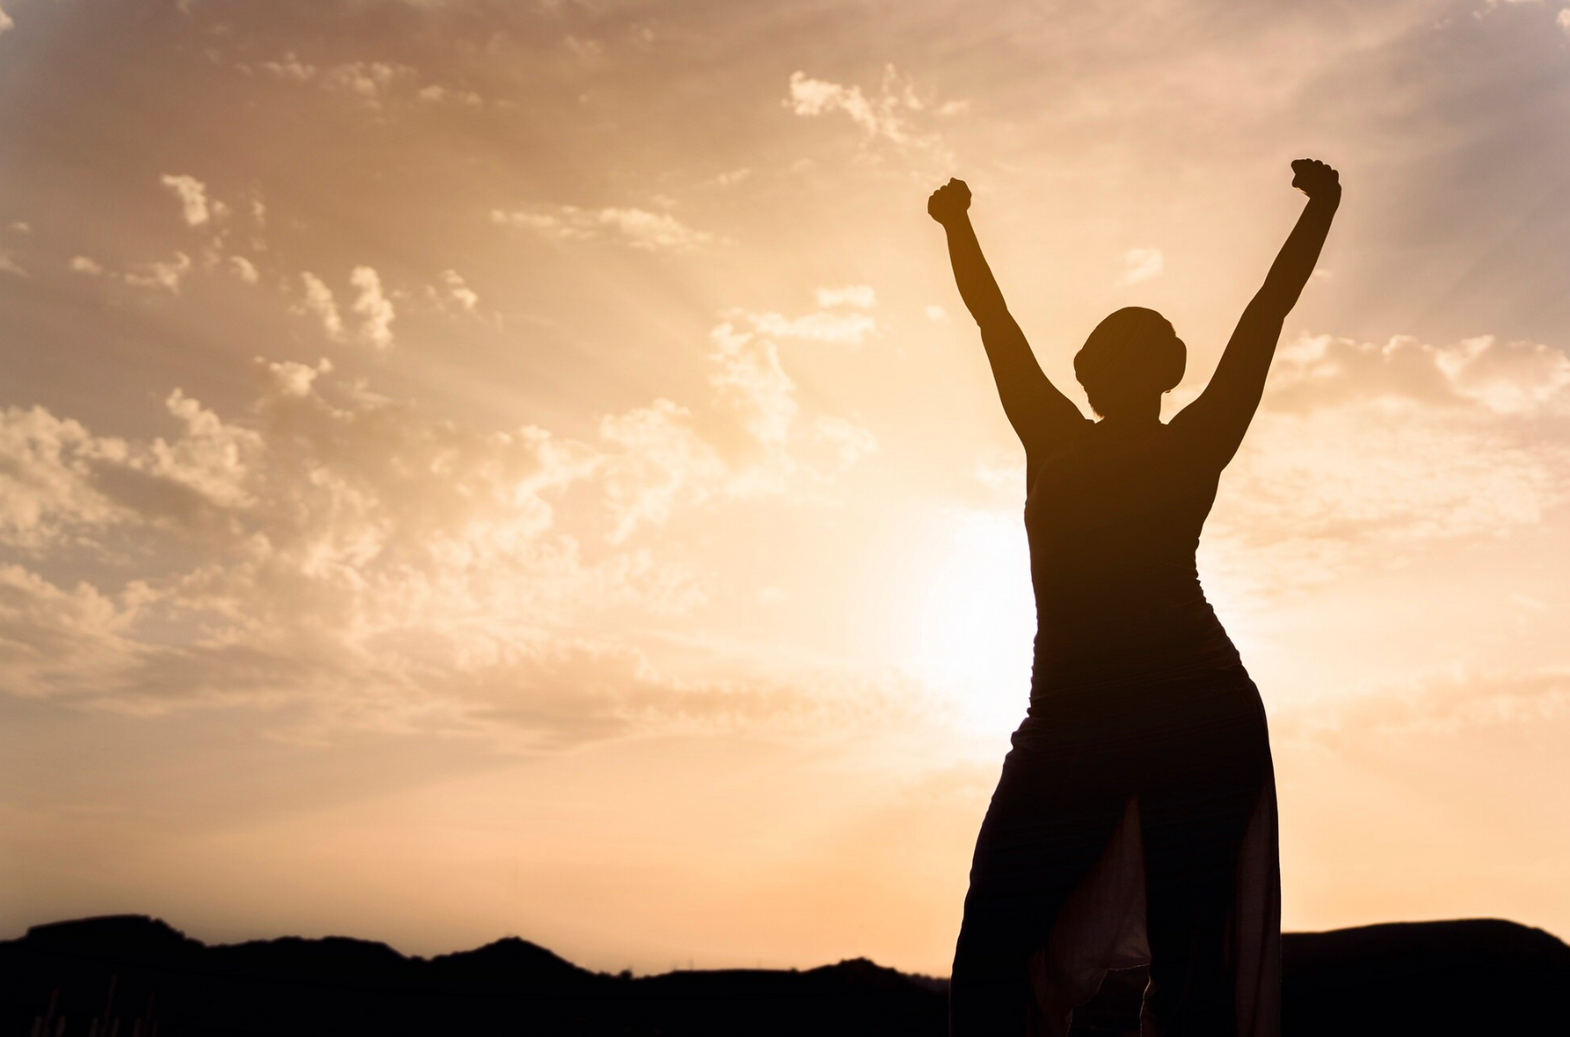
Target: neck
1142 416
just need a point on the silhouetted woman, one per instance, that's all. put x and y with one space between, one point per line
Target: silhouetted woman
1135 817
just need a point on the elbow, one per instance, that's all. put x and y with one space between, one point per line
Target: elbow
1269 308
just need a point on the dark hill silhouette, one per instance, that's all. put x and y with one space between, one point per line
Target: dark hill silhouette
1433 978
1478 976
508 964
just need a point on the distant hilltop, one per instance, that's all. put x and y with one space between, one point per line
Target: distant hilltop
135 976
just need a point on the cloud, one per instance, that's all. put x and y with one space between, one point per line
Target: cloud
368 83
1562 19
456 290
1002 472
847 441
750 379
244 269
326 524
374 308
9 265
1140 264
889 115
668 464
370 304
381 568
1446 701
291 68
729 178
587 50
1388 479
809 96
641 229
47 478
1506 378
860 295
6 24
319 300
438 94
664 464
934 312
1363 456
821 326
192 194
167 275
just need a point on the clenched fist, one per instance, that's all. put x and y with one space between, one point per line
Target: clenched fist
1316 179
949 202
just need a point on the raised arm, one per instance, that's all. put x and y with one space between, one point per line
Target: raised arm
1221 414
1039 413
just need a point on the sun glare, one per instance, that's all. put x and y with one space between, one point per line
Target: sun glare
975 620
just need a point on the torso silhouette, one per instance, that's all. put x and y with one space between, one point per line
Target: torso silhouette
1113 517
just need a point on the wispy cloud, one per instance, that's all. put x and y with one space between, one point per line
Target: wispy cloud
369 83
385 567
193 197
821 326
244 269
860 295
456 290
890 113
437 94
1444 701
319 301
373 307
166 275
1506 378
1365 455
651 231
1141 264
291 68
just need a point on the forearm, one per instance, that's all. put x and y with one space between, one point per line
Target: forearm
1295 263
976 284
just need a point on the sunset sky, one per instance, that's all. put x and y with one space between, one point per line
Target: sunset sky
474 467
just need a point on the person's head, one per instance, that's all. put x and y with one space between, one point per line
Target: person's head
1129 360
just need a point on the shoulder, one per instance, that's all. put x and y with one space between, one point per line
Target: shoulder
1067 434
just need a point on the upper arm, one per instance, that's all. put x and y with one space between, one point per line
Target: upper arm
1214 423
1040 414
1217 420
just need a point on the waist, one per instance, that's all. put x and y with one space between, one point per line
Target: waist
1089 648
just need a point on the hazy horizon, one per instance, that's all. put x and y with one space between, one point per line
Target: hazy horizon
472 467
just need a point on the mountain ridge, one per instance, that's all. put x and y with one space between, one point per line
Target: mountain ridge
1456 976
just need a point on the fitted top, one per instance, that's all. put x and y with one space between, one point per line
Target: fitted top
1113 517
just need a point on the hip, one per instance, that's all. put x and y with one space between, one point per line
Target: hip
1196 707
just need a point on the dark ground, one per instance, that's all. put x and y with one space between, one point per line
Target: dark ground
132 976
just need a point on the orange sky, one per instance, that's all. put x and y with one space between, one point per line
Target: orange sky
472 468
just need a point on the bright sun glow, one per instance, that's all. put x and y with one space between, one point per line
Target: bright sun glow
976 620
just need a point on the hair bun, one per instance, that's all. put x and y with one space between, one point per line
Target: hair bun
1131 347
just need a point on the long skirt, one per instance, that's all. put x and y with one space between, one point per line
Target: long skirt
1134 823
